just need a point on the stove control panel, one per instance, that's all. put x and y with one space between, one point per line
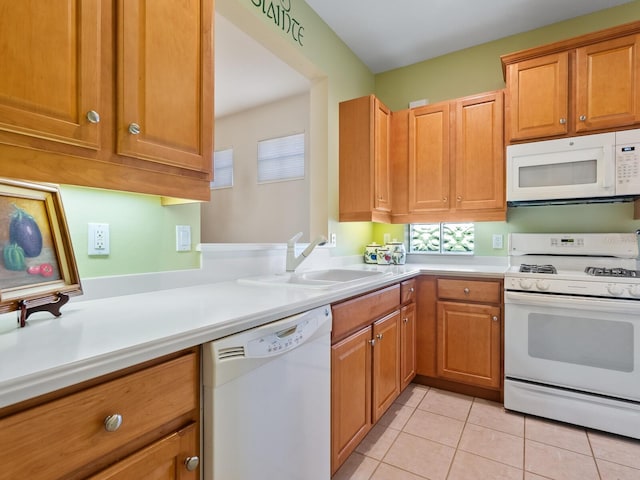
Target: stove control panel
612 288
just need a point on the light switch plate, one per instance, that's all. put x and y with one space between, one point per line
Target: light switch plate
497 241
183 238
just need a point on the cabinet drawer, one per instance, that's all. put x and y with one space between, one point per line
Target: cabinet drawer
469 290
353 314
407 291
54 439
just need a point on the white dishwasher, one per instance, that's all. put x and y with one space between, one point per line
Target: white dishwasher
267 401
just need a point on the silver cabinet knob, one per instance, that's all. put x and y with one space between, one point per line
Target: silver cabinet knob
466 291
459 198
134 128
412 289
563 121
372 342
582 118
494 318
379 336
93 116
113 422
405 320
191 463
445 199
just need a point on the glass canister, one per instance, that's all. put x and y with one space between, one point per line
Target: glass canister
398 252
371 253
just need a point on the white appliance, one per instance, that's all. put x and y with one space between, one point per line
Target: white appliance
267 401
599 167
572 329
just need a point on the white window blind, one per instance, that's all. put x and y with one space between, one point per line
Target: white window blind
222 168
281 158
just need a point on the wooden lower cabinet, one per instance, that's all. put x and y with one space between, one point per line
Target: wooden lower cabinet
459 335
469 343
139 423
350 394
386 363
407 345
166 459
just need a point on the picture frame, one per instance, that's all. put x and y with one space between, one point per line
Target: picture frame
37 262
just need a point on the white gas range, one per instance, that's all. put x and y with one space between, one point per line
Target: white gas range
572 329
595 265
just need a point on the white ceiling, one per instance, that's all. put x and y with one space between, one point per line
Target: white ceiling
387 35
383 34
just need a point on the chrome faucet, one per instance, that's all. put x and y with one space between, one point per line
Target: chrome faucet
292 261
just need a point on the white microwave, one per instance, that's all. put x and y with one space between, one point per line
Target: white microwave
599 167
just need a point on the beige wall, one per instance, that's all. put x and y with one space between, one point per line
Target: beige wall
249 212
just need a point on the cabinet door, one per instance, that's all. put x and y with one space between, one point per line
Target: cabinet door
162 460
607 90
350 394
382 158
386 363
478 153
426 325
407 345
538 97
429 158
51 70
469 343
164 78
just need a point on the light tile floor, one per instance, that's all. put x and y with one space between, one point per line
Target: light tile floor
437 435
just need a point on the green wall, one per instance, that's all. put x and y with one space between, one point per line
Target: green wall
478 69
141 231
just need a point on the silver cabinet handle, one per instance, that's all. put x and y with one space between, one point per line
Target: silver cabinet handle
379 336
405 320
466 291
191 463
459 198
372 342
93 116
412 289
113 422
445 199
494 318
563 121
134 128
582 118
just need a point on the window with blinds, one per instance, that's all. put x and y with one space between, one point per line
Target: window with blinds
222 169
281 159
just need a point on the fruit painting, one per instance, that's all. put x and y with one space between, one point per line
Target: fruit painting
28 253
37 262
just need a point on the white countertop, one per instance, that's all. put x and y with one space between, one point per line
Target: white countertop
100 336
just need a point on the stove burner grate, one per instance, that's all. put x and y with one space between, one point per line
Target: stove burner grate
611 272
524 268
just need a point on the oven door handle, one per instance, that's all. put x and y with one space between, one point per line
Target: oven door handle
572 302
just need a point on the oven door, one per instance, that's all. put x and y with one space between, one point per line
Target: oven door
581 343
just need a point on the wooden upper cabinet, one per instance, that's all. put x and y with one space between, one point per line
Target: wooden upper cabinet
478 153
164 77
365 164
538 97
584 84
382 159
50 81
456 161
607 90
429 167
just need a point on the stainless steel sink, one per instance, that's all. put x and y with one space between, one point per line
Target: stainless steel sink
318 279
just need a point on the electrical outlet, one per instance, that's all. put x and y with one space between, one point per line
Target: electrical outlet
98 239
332 240
497 241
